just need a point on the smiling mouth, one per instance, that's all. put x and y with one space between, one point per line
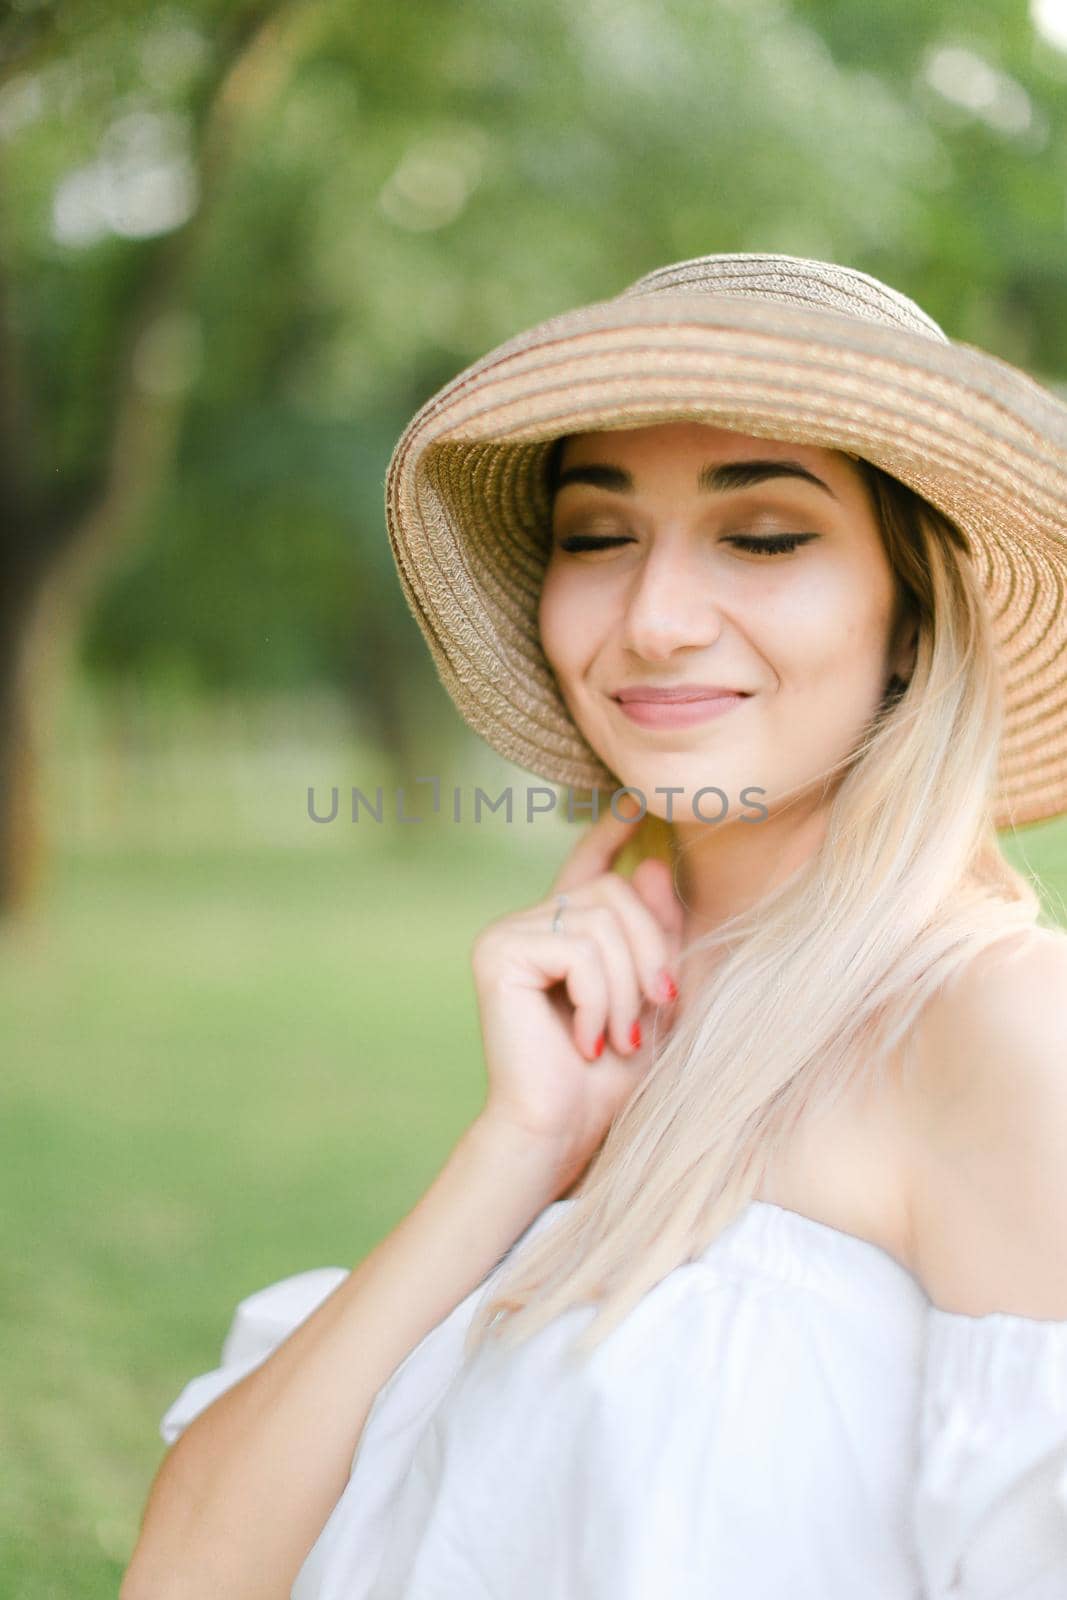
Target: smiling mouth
678 713
677 692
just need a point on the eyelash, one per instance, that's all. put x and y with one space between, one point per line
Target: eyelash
774 544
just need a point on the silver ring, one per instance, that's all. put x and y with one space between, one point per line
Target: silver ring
557 920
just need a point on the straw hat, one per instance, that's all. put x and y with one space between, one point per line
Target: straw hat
770 345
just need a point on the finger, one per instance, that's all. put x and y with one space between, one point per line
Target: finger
587 987
602 924
653 881
576 960
599 845
650 930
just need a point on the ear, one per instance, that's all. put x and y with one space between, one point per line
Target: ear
903 658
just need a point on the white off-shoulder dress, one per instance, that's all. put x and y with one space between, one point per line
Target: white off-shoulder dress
788 1417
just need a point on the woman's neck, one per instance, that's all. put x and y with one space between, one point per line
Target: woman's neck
723 869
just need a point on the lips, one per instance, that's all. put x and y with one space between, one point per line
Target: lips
677 707
678 694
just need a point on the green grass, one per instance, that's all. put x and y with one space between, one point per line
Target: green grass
220 1068
225 1069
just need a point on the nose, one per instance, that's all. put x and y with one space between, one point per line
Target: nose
670 605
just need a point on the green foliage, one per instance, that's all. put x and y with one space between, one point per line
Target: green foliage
376 195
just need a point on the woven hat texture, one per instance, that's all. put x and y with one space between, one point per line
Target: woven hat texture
775 346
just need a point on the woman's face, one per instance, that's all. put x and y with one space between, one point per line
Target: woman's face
664 574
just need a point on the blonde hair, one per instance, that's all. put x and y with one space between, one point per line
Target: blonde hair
818 982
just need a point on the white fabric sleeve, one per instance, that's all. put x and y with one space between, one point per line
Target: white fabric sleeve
990 1502
345 1561
260 1323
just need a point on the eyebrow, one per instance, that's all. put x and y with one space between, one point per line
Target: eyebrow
721 479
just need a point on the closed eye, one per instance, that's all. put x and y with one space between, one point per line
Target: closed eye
591 541
772 545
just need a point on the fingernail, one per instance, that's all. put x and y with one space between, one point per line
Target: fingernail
635 1035
598 1047
667 985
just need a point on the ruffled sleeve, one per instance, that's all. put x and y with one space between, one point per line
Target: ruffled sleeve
991 1486
346 1557
260 1323
345 1560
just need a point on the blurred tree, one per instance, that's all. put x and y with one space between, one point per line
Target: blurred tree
67 504
243 242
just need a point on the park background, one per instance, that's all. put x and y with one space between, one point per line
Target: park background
239 245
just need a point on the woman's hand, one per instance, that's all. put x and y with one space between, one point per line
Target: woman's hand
558 1010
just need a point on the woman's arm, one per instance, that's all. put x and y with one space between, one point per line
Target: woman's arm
248 1487
244 1493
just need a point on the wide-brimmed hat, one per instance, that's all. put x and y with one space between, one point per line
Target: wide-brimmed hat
769 345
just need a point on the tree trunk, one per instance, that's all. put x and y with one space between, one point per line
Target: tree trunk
21 846
56 544
21 840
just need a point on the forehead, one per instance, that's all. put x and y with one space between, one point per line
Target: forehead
681 441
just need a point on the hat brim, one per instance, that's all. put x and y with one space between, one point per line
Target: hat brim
468 514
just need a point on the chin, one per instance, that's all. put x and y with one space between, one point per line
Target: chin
710 774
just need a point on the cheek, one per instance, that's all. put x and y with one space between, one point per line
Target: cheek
564 619
830 624
547 615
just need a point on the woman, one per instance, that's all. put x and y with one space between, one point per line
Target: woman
751 1277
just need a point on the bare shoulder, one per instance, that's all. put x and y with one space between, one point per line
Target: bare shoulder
987 1108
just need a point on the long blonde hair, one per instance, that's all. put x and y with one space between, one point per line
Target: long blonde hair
819 981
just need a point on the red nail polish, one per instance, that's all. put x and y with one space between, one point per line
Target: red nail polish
635 1035
598 1047
670 988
